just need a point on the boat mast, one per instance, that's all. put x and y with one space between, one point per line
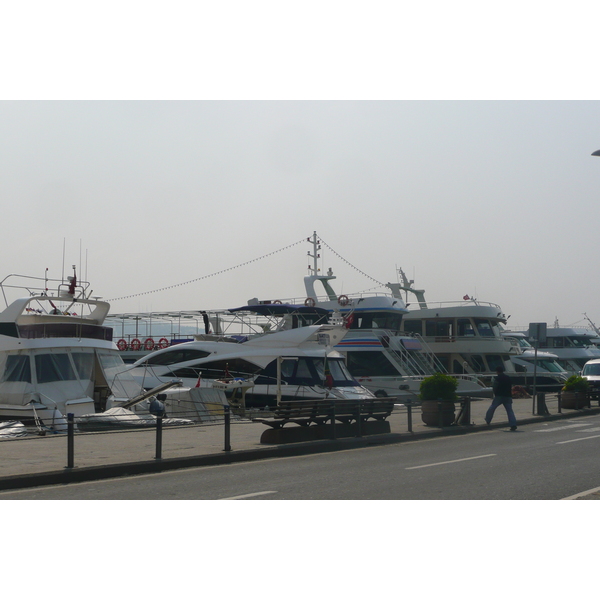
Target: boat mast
309 282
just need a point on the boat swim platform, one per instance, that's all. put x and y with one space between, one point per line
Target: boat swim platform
42 460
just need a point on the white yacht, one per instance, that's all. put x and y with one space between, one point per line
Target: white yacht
56 355
465 336
573 346
265 368
549 374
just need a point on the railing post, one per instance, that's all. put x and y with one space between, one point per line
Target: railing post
159 424
227 413
333 436
559 402
408 405
358 423
70 440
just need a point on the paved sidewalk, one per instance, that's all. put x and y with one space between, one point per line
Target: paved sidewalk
37 460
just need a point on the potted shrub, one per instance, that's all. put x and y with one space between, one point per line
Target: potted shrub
438 394
574 392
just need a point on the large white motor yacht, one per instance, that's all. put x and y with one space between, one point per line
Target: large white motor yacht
259 371
56 355
465 335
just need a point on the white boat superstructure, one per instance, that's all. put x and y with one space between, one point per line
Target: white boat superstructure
573 346
543 366
56 354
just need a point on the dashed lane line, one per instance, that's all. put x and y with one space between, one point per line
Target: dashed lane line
248 495
447 462
591 437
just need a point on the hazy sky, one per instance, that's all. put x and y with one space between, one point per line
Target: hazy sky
206 136
495 199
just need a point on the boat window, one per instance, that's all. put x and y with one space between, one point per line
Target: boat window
465 328
550 365
217 369
477 363
375 363
484 328
377 320
413 326
459 367
494 361
437 328
84 364
17 368
339 372
176 355
579 342
520 368
53 367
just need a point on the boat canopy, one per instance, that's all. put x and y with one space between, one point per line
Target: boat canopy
278 310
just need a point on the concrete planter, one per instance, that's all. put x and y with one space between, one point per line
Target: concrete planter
437 413
573 400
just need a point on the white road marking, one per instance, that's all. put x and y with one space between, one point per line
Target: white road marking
447 462
591 437
580 494
560 428
248 495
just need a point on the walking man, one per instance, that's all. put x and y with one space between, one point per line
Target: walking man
502 395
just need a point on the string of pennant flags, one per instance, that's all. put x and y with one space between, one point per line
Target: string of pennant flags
170 287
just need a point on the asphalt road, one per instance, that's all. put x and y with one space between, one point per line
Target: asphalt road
542 461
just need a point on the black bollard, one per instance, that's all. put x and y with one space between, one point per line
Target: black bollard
159 424
542 409
408 405
70 440
227 428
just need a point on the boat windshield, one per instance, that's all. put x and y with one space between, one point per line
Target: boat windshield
308 371
549 365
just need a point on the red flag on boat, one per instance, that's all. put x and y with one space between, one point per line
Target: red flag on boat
466 297
199 380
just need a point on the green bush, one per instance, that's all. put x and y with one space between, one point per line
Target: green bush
438 387
575 383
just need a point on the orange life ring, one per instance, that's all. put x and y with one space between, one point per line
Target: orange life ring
309 302
122 345
163 343
343 300
149 344
276 302
136 344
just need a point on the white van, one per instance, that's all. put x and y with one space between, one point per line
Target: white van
591 371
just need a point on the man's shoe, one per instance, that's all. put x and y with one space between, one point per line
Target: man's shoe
513 428
487 422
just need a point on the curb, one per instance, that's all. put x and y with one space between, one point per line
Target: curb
83 474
